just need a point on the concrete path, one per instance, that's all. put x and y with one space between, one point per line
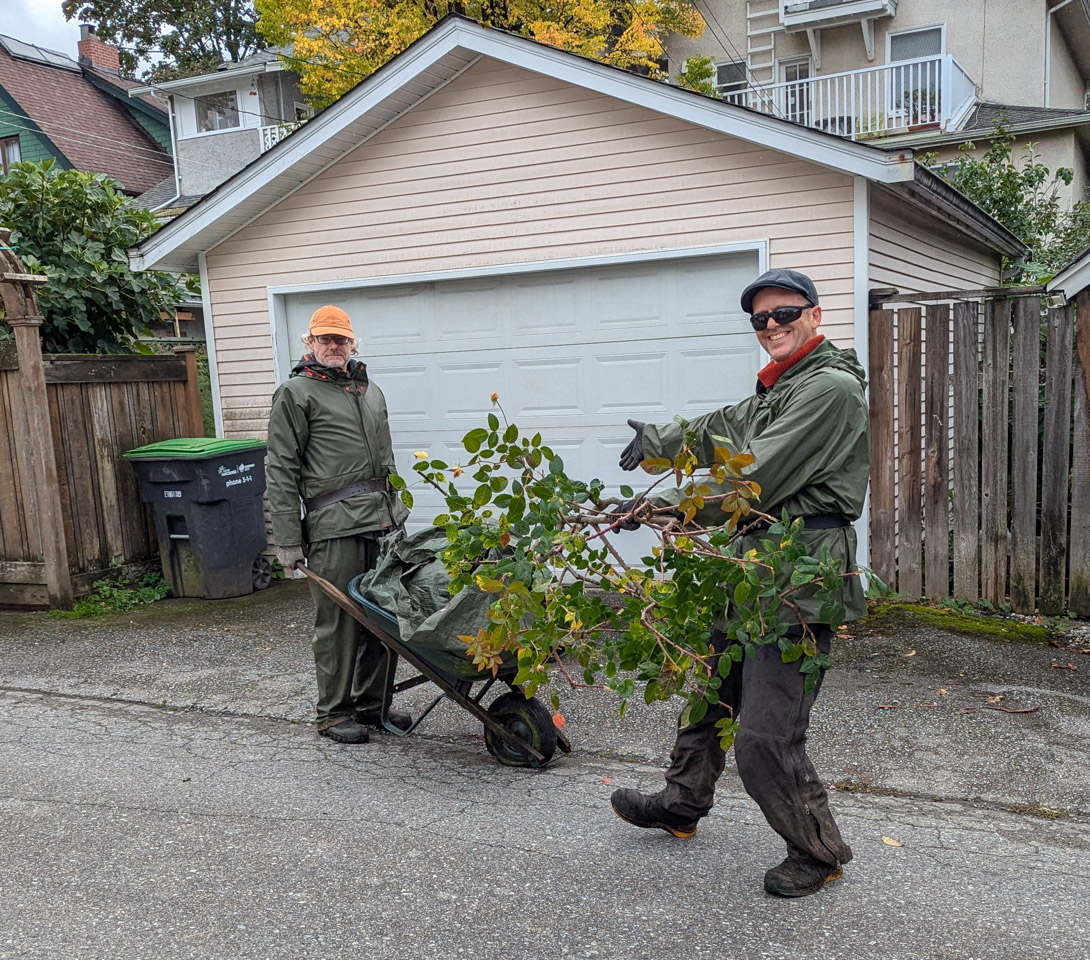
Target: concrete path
163 795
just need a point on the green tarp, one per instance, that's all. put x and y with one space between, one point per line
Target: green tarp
411 583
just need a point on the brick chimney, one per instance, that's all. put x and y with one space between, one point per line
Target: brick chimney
97 53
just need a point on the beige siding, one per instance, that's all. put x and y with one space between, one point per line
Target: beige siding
503 166
914 252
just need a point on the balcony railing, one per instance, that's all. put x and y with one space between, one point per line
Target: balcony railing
909 95
275 132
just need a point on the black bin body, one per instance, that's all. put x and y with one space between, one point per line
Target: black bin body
209 518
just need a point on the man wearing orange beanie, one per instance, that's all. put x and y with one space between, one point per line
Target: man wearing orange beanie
330 447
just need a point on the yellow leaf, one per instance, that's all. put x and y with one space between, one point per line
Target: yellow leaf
911 653
890 842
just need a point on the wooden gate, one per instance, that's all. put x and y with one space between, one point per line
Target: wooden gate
69 507
980 467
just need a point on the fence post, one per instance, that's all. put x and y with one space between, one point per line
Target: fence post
882 405
1078 600
21 312
192 390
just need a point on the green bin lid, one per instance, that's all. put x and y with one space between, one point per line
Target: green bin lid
191 448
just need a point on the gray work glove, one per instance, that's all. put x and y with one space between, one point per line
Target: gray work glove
289 556
627 506
632 455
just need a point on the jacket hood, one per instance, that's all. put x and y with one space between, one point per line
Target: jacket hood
308 366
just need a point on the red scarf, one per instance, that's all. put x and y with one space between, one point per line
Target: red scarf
777 368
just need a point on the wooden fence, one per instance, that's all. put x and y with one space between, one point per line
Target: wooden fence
69 506
980 467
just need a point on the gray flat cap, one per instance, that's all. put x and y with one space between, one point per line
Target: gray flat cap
783 280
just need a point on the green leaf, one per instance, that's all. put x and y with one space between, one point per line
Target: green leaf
396 482
556 466
510 435
472 441
482 495
493 421
627 491
407 499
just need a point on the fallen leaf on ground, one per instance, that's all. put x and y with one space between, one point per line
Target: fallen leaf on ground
607 779
1014 709
890 842
929 705
887 706
1054 643
942 691
996 698
1064 666
911 653
559 721
965 710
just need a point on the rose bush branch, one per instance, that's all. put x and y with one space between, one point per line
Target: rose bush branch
540 541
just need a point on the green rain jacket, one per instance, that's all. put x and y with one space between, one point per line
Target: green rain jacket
810 436
329 428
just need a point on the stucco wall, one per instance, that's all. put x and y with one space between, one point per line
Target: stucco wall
1058 149
504 166
205 162
999 43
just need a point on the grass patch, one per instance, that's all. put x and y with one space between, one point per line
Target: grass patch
888 614
116 596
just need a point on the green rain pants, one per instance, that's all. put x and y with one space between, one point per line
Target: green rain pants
350 662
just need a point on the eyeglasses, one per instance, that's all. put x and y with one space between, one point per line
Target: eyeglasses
782 315
328 339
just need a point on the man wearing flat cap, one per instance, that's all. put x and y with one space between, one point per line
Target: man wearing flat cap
807 428
330 447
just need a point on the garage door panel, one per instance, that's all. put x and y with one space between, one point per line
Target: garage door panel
572 353
547 388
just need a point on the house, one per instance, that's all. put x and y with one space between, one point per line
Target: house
220 122
927 74
79 113
498 215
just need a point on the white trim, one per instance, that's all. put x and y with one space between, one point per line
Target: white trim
861 332
210 344
457 36
276 296
1072 279
532 266
923 28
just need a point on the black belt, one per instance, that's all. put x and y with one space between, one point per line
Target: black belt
815 521
343 493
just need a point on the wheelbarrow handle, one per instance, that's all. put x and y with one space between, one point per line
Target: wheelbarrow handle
399 647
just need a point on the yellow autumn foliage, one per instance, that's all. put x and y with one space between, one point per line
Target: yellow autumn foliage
334 44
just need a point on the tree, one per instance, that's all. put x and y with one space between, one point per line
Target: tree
539 542
339 42
1024 197
75 228
193 36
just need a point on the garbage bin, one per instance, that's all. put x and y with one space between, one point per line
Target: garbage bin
206 496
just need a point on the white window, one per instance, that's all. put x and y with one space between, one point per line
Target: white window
914 44
9 153
303 112
217 111
730 81
795 76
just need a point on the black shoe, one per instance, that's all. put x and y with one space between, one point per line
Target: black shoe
345 731
800 878
401 719
647 811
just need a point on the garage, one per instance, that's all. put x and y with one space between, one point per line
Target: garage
572 352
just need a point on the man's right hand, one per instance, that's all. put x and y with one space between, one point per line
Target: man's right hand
632 455
627 507
289 557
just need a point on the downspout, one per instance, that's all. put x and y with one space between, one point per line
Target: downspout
1048 49
174 155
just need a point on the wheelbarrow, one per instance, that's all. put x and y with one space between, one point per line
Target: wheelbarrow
518 731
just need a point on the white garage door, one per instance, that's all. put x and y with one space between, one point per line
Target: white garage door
572 353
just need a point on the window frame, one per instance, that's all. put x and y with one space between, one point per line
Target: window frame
4 161
740 86
941 27
198 110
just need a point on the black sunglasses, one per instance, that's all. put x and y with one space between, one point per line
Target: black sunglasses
782 315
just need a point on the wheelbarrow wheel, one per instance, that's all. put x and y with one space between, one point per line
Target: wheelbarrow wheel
527 719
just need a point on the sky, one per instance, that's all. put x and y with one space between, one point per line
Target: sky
40 22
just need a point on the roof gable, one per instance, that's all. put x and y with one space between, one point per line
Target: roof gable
91 129
428 65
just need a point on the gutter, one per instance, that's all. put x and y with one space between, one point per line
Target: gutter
1032 126
936 191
